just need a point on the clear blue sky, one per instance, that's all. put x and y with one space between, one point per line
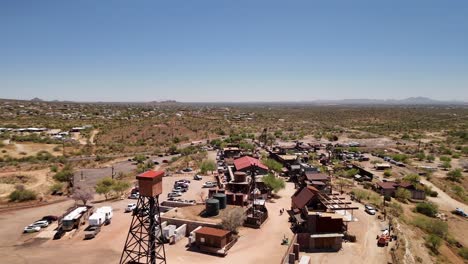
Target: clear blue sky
233 50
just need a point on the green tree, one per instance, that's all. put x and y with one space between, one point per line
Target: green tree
272 165
119 187
455 175
387 173
274 183
207 166
433 242
402 194
65 175
104 186
352 172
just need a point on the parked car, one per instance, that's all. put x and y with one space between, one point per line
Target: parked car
31 229
59 234
460 212
165 161
209 184
49 218
130 207
197 177
41 223
91 231
134 196
187 170
174 194
183 181
155 162
179 189
370 210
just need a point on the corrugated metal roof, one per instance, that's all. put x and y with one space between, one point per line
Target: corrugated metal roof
245 162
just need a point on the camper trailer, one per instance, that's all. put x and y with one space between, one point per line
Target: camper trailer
101 216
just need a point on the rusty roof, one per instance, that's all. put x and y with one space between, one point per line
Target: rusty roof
210 231
303 197
387 185
313 176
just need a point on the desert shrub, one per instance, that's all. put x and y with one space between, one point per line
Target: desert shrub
427 208
431 226
65 175
232 219
387 173
463 252
21 194
53 168
207 165
433 242
395 209
56 187
273 165
455 175
400 157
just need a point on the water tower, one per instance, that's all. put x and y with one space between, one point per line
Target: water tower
144 244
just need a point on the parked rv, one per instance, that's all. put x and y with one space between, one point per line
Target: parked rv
103 215
75 218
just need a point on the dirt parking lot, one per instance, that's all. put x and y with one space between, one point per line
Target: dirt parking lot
107 246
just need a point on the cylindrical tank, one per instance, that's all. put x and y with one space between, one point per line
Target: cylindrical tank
212 207
221 191
230 198
239 199
211 192
221 197
240 176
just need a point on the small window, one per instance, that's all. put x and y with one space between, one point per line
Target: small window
202 239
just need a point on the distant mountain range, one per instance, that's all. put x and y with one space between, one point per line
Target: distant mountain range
407 101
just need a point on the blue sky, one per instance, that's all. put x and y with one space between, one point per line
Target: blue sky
233 50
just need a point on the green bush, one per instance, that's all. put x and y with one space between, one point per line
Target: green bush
402 194
65 175
273 182
427 208
463 252
21 195
433 242
455 175
56 187
431 226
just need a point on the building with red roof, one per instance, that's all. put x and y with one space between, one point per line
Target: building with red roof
246 164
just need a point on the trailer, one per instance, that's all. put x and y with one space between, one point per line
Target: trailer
75 218
103 215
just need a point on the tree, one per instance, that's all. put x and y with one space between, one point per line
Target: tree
232 219
207 165
352 172
455 175
139 159
104 186
387 173
83 194
119 187
402 194
342 183
274 183
412 178
272 165
433 242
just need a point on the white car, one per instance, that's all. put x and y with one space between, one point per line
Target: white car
41 223
209 184
130 207
31 229
174 194
370 210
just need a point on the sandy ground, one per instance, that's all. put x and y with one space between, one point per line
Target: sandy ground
14 149
40 183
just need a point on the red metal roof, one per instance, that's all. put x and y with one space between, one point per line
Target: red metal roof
210 231
245 162
313 176
151 174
